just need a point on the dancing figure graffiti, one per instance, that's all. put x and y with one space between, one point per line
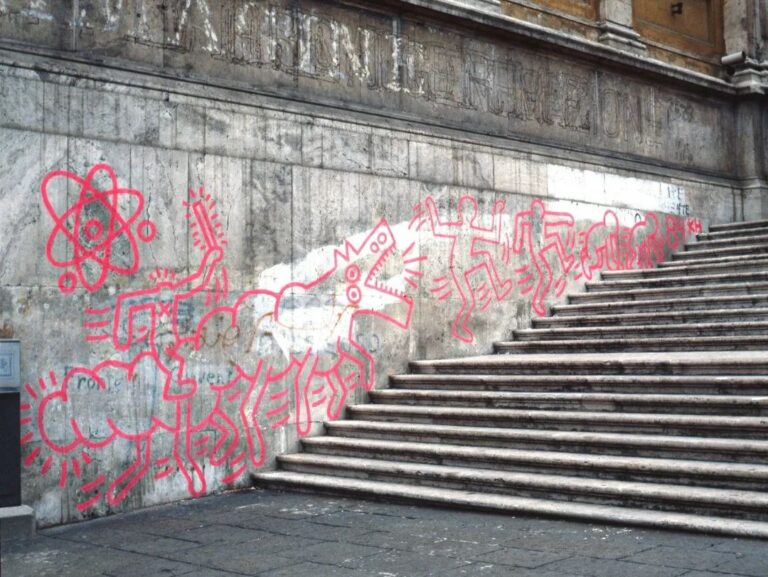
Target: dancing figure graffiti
472 269
195 383
600 246
547 239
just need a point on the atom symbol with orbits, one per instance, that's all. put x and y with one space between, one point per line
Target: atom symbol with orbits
96 233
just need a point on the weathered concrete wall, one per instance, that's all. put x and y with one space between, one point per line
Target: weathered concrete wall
199 271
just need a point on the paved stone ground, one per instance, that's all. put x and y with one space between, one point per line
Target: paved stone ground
272 534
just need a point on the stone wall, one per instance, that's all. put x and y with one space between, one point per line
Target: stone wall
224 221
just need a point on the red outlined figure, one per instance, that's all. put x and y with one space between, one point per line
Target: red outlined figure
675 232
543 235
78 417
472 270
600 246
642 246
90 233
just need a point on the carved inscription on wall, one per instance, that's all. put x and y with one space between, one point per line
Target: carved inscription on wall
384 59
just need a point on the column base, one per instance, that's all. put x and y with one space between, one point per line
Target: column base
620 37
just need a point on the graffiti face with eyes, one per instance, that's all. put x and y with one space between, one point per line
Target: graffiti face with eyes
386 278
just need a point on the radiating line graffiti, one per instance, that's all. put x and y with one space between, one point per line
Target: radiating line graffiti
195 380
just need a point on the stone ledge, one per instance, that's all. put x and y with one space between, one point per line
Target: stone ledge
16 523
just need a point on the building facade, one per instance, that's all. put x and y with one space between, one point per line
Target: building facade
224 221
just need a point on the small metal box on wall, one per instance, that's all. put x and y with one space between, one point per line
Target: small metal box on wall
10 449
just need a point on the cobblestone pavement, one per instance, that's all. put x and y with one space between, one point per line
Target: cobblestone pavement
272 534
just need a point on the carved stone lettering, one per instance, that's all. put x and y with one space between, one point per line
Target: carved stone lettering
511 89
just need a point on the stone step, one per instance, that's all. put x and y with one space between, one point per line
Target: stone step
738 226
662 331
481 500
706 244
736 233
665 497
723 316
682 268
666 292
653 384
678 304
664 282
713 254
688 404
601 443
745 476
641 343
723 426
711 261
668 363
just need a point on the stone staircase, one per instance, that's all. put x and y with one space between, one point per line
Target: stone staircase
642 401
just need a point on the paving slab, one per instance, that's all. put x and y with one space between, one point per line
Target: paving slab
266 533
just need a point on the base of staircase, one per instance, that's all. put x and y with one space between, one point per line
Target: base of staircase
286 480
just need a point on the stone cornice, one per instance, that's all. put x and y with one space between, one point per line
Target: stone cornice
561 43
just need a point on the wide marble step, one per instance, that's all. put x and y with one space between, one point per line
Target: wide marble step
724 426
657 496
482 500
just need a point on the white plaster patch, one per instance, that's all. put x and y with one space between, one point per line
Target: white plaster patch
318 318
614 190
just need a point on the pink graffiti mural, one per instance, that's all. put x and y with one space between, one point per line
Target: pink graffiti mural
91 232
473 271
195 382
184 425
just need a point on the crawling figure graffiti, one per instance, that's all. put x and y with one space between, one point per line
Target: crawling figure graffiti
182 425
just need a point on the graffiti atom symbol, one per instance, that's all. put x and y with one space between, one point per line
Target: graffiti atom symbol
94 233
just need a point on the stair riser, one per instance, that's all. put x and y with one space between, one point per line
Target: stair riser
730 241
603 426
735 235
627 295
716 265
695 317
692 268
700 389
738 226
679 307
704 255
609 346
592 406
618 449
476 501
593 368
583 470
642 332
499 486
672 282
